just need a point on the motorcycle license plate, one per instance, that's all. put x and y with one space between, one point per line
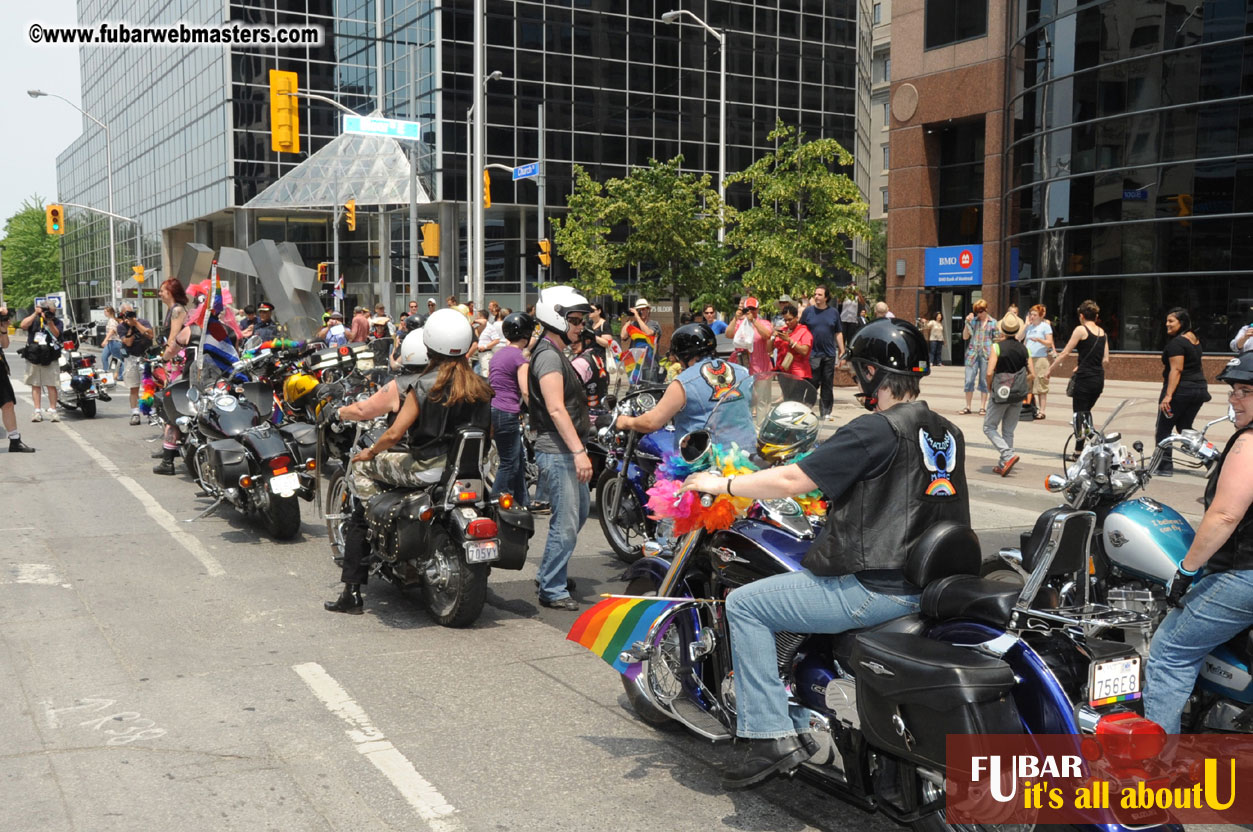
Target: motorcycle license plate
481 551
285 484
1114 681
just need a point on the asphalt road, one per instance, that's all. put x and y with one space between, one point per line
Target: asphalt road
161 674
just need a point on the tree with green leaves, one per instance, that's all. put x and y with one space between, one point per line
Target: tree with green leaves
581 238
877 252
31 256
804 214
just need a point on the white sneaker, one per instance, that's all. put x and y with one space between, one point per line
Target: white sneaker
38 417
54 416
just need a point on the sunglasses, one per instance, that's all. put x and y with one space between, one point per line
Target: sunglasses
574 321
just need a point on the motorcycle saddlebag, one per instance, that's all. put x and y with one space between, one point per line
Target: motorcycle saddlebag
394 527
301 438
514 527
229 459
912 692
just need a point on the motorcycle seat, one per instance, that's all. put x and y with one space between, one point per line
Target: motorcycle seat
969 596
842 644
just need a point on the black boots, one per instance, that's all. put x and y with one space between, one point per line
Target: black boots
765 758
349 601
166 465
17 446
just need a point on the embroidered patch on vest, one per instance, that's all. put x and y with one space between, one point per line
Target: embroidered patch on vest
720 376
939 457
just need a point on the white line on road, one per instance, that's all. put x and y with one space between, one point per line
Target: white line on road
413 787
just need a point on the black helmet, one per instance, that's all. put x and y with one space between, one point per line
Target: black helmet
891 346
415 322
588 338
1239 370
517 325
693 341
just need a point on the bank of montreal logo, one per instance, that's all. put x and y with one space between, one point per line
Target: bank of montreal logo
966 259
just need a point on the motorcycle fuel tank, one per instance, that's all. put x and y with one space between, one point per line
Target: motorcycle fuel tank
749 551
1147 539
230 416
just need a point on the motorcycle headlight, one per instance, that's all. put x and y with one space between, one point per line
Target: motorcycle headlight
183 423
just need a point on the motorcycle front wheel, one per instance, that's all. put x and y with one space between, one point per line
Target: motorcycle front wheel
627 542
668 652
454 590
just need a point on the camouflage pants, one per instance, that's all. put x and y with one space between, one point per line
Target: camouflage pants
388 469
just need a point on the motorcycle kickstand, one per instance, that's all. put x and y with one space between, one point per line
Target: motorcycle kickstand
216 503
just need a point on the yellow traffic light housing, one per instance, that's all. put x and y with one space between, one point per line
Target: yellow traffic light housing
284 112
139 273
487 189
545 253
350 214
323 271
430 239
54 219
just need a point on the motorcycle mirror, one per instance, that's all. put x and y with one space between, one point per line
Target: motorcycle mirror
193 395
696 448
1138 446
611 401
1054 483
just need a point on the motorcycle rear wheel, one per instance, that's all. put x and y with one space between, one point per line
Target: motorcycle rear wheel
338 505
87 407
934 822
640 703
454 591
618 537
282 517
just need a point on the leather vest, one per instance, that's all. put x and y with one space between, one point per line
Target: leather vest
1237 551
706 383
574 393
877 522
596 386
431 434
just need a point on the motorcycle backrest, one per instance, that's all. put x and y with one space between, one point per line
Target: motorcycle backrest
465 461
945 549
1062 534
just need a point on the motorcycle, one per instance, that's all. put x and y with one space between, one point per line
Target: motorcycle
442 538
1139 541
236 454
629 470
980 657
81 383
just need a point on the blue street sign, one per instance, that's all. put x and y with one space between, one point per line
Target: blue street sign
526 171
954 266
1138 194
373 126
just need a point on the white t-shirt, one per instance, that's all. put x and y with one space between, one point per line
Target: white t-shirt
492 332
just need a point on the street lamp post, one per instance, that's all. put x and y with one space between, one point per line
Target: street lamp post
108 160
720 36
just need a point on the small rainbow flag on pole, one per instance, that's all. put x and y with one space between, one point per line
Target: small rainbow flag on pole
615 624
633 363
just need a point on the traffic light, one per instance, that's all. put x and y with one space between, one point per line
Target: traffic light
323 270
284 112
487 189
350 214
545 253
139 273
430 239
1183 207
54 219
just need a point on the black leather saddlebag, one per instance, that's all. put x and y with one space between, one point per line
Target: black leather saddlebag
394 528
302 439
912 692
514 527
228 460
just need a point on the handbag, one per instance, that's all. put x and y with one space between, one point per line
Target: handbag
1070 388
1010 388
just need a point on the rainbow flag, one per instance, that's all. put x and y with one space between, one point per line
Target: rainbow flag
616 623
633 363
635 334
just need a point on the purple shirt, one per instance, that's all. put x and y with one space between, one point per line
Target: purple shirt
503 377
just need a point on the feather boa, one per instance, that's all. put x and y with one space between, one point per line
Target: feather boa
147 391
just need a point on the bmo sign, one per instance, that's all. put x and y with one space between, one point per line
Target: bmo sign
954 266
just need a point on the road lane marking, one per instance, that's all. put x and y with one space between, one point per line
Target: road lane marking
371 744
155 510
41 574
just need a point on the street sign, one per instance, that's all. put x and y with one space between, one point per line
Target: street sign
1135 194
373 126
528 171
954 266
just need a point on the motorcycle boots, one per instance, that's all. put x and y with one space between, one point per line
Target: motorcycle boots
349 601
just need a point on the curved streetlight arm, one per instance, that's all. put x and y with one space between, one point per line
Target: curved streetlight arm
673 17
42 94
324 99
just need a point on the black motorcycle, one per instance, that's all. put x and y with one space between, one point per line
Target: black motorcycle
81 384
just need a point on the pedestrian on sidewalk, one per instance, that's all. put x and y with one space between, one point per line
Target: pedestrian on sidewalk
1006 360
978 332
1038 338
43 350
934 330
507 377
111 347
823 321
8 399
1184 388
1089 342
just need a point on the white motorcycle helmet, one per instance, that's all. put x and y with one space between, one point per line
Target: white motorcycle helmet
413 350
555 303
447 332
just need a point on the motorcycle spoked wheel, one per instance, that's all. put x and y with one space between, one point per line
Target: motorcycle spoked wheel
934 822
663 675
338 506
454 590
627 543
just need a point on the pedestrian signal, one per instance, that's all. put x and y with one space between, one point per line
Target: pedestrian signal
54 219
323 270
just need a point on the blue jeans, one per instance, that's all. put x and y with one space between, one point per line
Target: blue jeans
570 500
1216 608
798 602
511 471
112 350
976 369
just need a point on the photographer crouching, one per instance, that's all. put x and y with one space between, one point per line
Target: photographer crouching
136 335
7 397
42 350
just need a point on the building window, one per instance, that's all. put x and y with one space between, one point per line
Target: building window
951 21
886 166
877 15
883 194
887 117
887 69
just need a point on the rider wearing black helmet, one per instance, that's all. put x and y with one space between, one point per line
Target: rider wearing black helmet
691 397
507 376
887 476
1219 604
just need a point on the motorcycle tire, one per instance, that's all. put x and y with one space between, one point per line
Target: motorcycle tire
87 407
644 709
338 505
282 517
454 591
618 539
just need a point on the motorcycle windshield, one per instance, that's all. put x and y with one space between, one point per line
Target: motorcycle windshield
1133 420
769 416
299 329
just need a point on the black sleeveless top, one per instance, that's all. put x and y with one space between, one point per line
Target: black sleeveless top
1091 352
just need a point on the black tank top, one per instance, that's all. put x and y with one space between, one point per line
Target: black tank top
1091 352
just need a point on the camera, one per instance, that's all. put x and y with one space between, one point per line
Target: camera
131 314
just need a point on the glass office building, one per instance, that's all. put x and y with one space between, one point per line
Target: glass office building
1131 168
190 127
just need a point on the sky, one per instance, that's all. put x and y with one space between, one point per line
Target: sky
37 129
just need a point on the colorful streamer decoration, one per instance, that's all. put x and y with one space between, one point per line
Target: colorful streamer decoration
147 390
615 624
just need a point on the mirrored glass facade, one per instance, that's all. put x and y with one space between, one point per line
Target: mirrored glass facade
1131 169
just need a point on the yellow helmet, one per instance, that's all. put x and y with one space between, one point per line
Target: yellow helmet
297 388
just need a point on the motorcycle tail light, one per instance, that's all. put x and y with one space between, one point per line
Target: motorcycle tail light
67 345
467 496
506 501
1137 738
481 529
279 464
